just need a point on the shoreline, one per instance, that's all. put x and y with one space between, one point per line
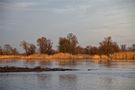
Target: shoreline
121 56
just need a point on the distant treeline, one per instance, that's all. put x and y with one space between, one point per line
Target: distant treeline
68 44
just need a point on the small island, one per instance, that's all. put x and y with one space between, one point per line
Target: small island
35 69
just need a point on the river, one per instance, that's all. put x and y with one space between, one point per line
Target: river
101 76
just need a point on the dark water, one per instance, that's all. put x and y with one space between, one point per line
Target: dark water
103 76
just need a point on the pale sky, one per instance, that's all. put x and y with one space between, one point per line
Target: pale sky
89 20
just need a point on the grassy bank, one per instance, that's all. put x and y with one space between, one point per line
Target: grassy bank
121 56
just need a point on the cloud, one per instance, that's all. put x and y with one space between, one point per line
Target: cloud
24 4
17 5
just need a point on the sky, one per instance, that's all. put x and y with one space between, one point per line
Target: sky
89 20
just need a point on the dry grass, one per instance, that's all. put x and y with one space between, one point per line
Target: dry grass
121 56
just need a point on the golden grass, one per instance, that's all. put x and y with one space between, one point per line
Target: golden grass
121 56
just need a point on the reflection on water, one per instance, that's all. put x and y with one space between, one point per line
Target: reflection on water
79 64
68 81
103 76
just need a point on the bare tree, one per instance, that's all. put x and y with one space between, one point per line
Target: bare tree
28 47
45 45
107 46
79 50
25 46
133 47
91 50
7 49
1 51
88 49
73 42
14 51
32 49
123 47
68 44
64 45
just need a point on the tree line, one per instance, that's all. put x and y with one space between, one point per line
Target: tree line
68 44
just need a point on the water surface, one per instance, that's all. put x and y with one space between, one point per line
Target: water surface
102 76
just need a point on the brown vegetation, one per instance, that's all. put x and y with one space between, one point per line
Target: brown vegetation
45 45
120 56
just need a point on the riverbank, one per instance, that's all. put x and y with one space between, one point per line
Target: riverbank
121 56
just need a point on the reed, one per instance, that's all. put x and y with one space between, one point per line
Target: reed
121 56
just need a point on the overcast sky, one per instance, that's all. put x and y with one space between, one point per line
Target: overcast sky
89 20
